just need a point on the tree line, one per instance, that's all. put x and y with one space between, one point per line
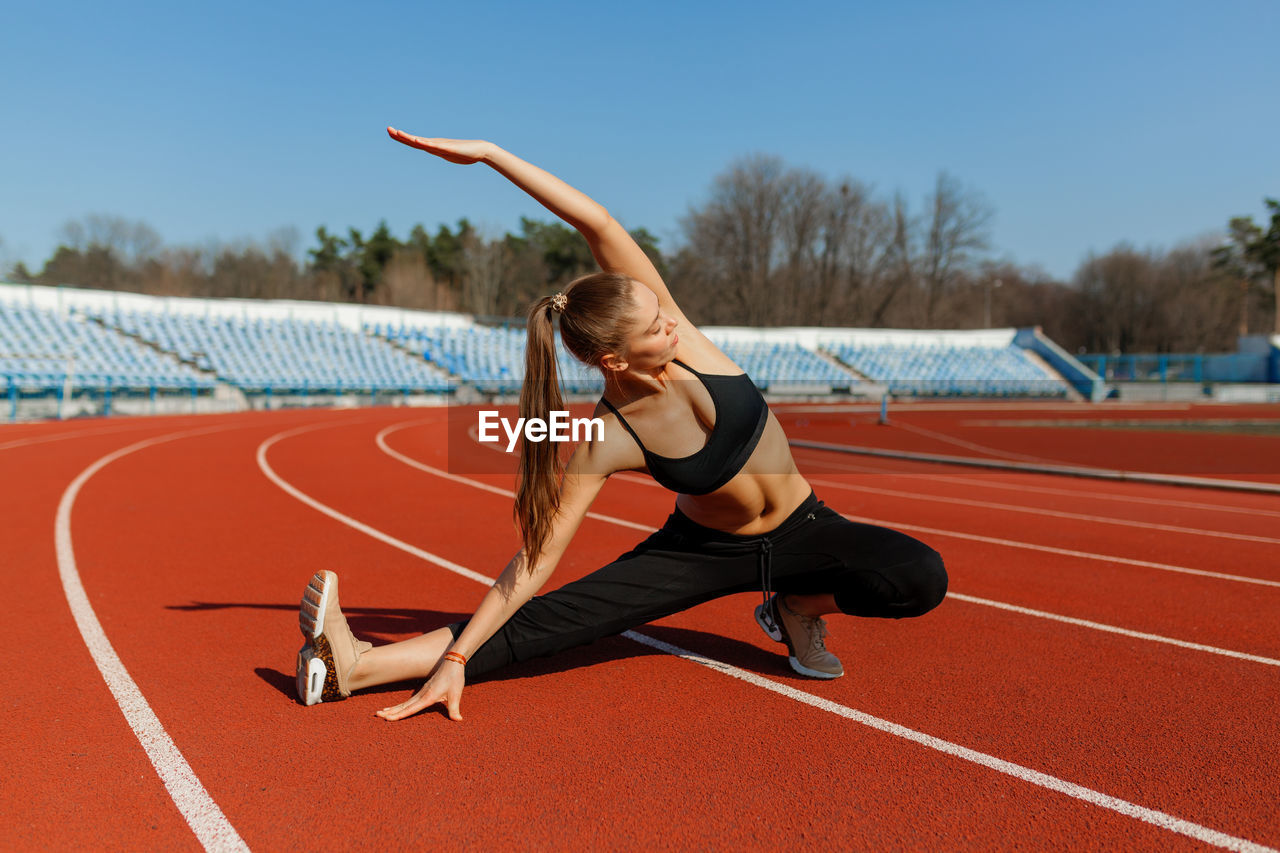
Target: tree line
771 244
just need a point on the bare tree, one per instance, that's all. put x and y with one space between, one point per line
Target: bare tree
407 281
956 232
484 258
899 260
855 251
795 293
736 238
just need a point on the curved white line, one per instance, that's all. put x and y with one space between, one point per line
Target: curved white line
380 440
1026 774
271 475
201 813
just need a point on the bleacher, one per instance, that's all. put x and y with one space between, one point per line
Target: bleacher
930 369
778 364
52 339
492 359
41 349
281 353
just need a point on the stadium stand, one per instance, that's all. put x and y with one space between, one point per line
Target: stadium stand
39 350
949 370
281 353
490 358
251 349
773 364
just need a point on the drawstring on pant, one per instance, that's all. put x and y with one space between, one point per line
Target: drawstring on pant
765 561
764 558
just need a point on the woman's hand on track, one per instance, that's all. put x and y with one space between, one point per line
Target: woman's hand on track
444 686
463 151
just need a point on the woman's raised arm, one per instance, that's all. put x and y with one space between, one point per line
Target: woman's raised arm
611 245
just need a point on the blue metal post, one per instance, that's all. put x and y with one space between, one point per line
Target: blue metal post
106 401
884 409
13 400
153 398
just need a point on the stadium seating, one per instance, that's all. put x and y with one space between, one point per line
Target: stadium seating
490 358
279 353
937 370
771 364
40 349
118 341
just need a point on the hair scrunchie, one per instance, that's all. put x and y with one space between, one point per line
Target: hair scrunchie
559 301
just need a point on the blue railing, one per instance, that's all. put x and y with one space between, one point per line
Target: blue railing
1179 367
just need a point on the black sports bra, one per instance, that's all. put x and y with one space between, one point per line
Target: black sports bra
741 414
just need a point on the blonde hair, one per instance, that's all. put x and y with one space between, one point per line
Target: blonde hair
594 322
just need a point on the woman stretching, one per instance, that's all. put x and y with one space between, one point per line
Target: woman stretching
677 407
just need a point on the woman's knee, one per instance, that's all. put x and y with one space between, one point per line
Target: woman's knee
929 576
911 585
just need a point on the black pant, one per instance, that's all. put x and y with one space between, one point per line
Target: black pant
872 571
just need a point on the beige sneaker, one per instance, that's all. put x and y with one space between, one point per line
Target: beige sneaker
331 650
805 639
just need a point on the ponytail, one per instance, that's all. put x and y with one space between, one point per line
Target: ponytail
595 311
540 468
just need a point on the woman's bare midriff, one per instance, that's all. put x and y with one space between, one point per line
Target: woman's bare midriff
767 490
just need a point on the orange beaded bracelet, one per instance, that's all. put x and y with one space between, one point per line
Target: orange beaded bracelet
458 657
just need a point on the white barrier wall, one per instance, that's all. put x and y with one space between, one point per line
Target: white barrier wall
65 299
815 336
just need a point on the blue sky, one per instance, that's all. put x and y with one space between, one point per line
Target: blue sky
1084 124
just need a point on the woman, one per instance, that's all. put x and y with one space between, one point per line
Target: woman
676 406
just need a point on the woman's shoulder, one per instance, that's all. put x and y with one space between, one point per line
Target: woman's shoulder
696 351
615 450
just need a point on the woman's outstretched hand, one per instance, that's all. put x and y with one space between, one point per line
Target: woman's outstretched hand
454 150
444 686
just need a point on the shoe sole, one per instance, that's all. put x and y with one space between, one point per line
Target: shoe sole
316 679
795 662
812 673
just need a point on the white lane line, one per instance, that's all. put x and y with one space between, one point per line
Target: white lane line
1052 513
346 519
202 814
380 440
1026 774
991 483
1057 617
643 480
41 439
913 406
1252 486
960 442
1066 552
1112 629
1156 818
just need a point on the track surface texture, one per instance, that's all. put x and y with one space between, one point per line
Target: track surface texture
1104 674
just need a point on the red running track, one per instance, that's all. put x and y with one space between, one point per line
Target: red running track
193 561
